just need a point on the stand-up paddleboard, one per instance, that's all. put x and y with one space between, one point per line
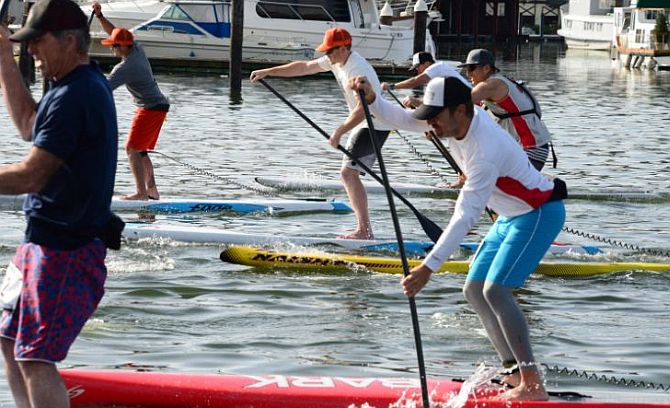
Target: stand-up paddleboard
246 255
188 233
176 205
182 390
316 184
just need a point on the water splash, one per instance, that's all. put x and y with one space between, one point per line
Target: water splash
480 379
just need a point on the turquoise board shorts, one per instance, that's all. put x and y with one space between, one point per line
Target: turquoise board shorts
514 246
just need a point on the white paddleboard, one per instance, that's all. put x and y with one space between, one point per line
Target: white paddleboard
372 187
189 233
178 205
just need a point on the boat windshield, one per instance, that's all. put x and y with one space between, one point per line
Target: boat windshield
319 10
199 13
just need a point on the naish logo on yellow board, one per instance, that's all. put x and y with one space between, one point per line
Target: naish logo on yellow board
301 260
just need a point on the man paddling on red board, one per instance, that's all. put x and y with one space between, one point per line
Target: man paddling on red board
345 64
54 282
498 175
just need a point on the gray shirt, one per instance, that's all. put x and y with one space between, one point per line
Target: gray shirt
135 72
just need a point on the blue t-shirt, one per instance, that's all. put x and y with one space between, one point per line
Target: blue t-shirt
76 122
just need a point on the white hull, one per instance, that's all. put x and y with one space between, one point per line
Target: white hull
587 32
271 40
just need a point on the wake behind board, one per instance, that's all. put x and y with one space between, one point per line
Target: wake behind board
177 205
184 390
316 184
246 255
187 233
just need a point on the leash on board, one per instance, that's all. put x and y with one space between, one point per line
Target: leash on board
266 191
607 379
614 242
401 248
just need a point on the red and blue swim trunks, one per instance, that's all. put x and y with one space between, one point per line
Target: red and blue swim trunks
61 290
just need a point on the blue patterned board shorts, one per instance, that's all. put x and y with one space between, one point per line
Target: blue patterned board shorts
514 246
61 290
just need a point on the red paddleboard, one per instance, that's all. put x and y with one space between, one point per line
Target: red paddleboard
174 390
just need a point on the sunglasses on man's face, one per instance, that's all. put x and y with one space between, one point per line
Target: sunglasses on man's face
116 45
471 68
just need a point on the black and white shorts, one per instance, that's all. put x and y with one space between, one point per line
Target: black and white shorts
360 146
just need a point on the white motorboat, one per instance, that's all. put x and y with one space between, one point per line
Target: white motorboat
587 25
194 32
124 13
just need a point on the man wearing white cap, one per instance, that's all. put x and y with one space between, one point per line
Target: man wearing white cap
513 106
531 214
426 68
345 65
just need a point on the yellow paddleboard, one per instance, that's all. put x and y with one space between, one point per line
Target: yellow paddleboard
247 255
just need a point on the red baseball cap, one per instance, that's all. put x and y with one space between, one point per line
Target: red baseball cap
335 37
120 36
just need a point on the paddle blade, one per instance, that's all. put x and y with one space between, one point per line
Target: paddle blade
432 230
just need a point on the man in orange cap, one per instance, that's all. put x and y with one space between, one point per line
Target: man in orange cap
345 64
135 72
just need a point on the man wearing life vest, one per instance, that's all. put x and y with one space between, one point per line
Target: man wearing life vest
513 106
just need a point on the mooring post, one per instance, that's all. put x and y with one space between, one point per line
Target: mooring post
235 61
420 18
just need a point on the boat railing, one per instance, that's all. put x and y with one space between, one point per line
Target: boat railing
293 9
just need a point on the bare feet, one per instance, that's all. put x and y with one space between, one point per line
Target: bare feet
136 196
357 235
525 392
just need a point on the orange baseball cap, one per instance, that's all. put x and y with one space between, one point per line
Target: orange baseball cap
335 37
119 36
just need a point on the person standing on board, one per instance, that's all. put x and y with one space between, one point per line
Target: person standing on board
514 107
135 72
529 205
345 64
68 175
426 68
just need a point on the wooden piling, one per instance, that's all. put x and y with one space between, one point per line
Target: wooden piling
237 32
420 18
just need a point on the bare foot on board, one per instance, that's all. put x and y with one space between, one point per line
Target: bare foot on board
136 196
523 392
357 235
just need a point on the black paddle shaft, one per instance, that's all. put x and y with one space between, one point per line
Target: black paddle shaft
432 230
401 247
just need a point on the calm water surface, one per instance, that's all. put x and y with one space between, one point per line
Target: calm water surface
176 307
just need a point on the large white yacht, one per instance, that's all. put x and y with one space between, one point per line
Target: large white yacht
198 32
588 24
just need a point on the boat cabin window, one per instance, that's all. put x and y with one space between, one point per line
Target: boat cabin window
208 13
650 15
174 12
318 10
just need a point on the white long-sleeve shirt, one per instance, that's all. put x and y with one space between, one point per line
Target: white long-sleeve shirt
498 175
